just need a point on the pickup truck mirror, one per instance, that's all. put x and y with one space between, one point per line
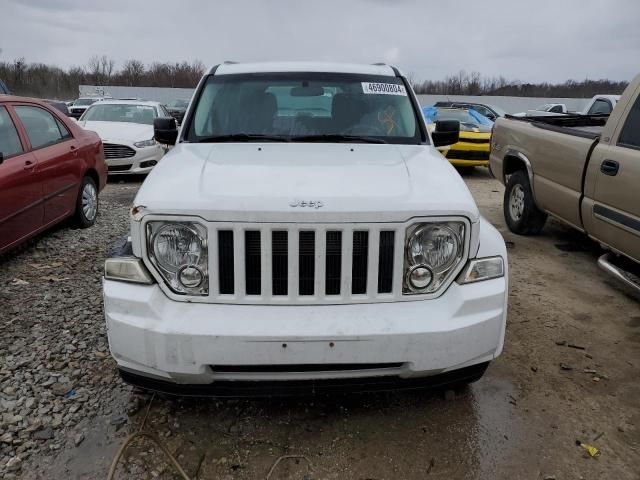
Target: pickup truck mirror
165 130
447 132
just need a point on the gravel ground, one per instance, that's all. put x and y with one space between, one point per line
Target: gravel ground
569 372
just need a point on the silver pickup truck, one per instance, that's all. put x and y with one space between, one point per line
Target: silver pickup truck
581 169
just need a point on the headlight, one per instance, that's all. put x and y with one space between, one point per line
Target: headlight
180 253
145 143
433 251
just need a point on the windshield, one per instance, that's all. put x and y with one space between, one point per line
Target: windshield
500 112
85 101
305 107
120 113
178 104
463 116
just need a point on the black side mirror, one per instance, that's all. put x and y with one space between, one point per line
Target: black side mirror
1 158
165 130
491 117
447 132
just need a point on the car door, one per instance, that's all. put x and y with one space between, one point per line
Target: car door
57 154
616 198
21 207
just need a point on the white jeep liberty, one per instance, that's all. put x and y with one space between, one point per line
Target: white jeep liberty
304 233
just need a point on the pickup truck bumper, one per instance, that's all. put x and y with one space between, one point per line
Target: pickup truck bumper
158 342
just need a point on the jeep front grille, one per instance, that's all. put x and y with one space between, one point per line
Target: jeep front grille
303 264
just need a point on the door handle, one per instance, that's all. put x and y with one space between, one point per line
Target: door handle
28 165
610 167
74 150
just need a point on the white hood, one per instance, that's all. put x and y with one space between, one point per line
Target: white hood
258 182
120 132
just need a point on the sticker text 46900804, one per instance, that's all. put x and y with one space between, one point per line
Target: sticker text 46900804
383 88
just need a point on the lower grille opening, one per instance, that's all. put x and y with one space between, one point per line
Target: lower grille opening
119 168
334 367
467 155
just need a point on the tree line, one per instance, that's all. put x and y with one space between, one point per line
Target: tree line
475 83
47 81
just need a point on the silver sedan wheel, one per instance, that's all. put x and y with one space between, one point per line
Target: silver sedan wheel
89 201
516 202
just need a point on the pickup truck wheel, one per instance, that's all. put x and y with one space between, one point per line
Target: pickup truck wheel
520 211
87 203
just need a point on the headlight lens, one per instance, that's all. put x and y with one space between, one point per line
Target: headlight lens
145 143
180 253
433 251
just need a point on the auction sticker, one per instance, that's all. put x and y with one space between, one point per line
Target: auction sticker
372 88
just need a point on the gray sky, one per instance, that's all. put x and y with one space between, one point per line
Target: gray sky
537 40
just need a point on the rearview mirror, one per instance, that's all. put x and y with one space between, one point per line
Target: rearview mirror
447 132
307 91
165 130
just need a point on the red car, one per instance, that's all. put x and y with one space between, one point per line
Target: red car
50 169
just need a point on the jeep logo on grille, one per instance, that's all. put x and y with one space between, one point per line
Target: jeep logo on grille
307 203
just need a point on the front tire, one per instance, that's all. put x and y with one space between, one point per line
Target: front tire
87 203
520 211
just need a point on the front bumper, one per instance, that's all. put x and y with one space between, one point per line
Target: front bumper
140 163
189 343
471 151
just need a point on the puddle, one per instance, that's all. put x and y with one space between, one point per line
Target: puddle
383 435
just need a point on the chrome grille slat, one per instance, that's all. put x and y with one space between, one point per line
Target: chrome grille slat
113 151
345 269
372 264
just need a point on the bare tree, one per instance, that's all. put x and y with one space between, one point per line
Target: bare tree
132 72
106 65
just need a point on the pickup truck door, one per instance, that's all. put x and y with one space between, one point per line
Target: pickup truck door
612 211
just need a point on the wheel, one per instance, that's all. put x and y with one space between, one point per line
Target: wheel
87 203
520 211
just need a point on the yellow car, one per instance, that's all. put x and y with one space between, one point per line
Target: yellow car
475 138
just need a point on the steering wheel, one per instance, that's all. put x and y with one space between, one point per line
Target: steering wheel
371 130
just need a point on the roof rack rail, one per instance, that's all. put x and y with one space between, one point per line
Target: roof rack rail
229 62
379 64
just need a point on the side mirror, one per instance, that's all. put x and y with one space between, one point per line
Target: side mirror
165 130
491 117
447 132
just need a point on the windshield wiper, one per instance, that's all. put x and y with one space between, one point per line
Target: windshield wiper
243 137
330 137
